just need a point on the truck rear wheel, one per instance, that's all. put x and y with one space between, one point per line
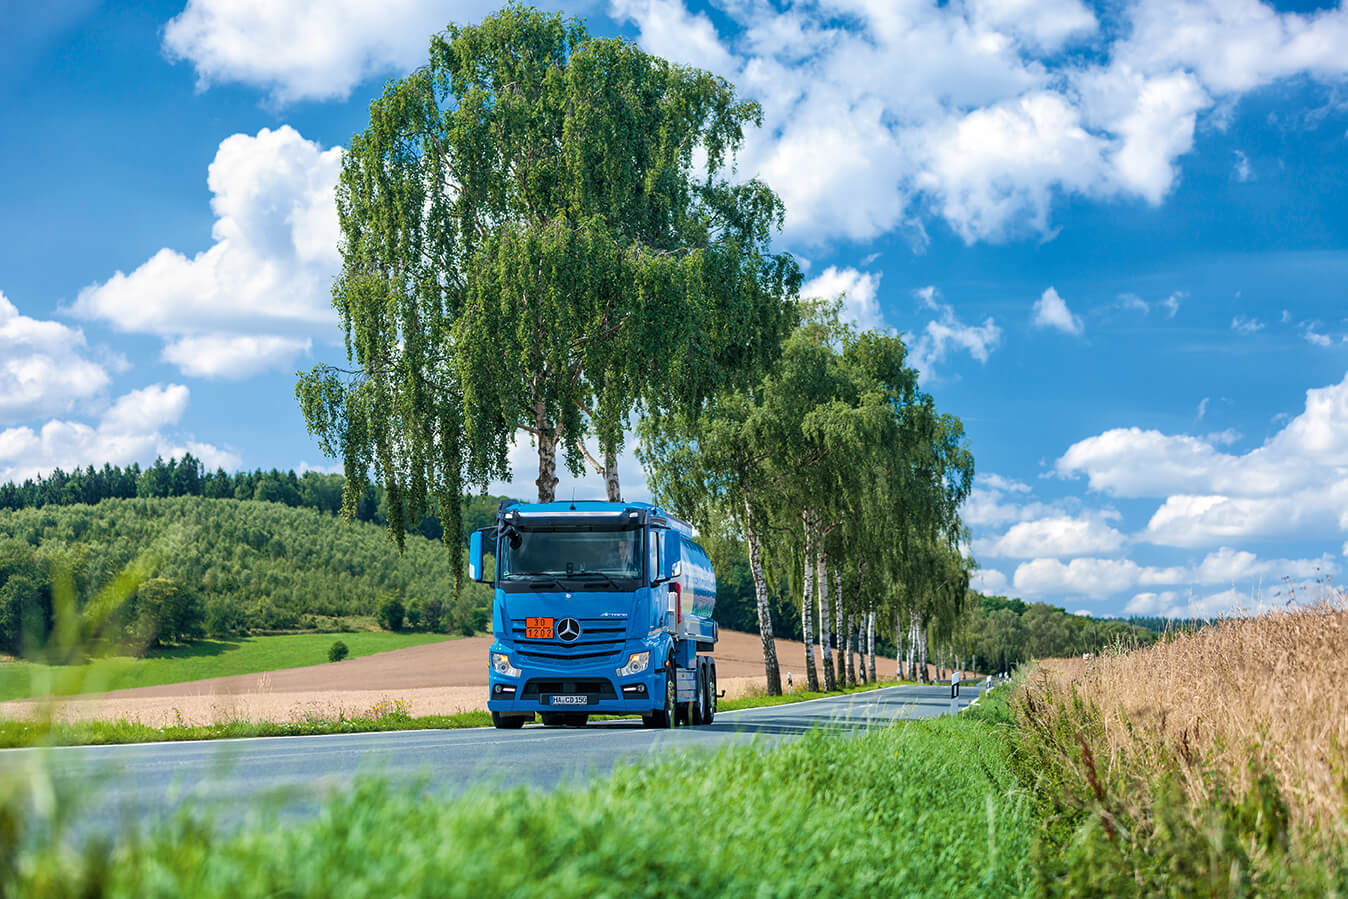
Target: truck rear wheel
709 713
665 716
509 722
698 707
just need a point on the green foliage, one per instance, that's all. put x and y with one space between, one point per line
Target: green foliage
311 490
337 651
237 565
833 460
1001 633
432 615
527 244
921 809
164 611
390 613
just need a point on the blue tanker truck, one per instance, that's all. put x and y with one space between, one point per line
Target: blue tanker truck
599 608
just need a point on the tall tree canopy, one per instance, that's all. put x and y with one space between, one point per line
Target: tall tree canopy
538 236
837 472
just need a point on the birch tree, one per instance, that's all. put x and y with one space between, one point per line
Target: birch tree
537 235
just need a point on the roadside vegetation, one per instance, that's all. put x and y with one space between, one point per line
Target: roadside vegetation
1212 763
195 661
921 808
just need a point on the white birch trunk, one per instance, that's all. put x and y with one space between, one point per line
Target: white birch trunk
847 646
870 644
806 610
611 487
547 454
839 634
825 638
922 651
898 646
770 666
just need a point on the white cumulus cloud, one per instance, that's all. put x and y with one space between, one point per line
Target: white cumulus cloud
1050 311
135 428
258 295
1056 536
299 50
878 115
860 305
43 366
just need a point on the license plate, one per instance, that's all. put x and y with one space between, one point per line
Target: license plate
571 700
538 628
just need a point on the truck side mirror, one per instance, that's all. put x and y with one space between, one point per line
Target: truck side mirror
670 553
475 571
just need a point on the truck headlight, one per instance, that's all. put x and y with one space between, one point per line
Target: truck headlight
500 663
637 662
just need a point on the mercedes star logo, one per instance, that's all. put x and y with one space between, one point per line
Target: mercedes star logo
568 629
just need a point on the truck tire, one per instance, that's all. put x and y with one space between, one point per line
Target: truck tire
709 715
508 722
664 717
699 704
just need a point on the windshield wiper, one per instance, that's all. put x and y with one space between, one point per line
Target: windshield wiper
533 578
608 577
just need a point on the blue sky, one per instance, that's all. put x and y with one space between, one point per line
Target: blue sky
1116 237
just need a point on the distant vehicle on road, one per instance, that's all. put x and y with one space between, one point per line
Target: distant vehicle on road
598 608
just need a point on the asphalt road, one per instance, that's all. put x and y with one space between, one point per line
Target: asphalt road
137 782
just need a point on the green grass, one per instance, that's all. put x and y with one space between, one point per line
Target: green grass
754 702
195 661
921 808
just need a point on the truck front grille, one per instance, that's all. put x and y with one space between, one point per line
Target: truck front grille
599 637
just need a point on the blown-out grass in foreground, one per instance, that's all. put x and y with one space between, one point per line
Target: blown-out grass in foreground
922 808
1212 763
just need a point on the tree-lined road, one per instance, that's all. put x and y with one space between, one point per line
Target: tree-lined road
147 779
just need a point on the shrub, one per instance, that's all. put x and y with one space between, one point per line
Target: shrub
390 613
432 615
224 618
415 614
337 651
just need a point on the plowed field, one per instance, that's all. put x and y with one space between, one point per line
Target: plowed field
435 679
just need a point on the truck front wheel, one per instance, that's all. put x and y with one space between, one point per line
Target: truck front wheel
509 722
665 716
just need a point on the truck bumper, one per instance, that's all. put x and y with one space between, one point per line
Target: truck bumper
590 689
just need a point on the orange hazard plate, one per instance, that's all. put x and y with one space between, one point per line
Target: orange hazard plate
538 628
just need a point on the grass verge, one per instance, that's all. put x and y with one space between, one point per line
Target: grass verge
1213 764
920 808
195 661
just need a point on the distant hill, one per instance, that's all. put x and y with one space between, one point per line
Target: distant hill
243 564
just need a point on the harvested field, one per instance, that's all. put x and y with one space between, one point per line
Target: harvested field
435 679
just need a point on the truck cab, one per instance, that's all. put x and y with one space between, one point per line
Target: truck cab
598 608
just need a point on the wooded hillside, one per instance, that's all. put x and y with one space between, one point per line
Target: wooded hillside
231 565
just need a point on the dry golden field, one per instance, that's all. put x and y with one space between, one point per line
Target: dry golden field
1271 688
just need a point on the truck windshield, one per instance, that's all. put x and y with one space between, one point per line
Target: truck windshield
573 553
